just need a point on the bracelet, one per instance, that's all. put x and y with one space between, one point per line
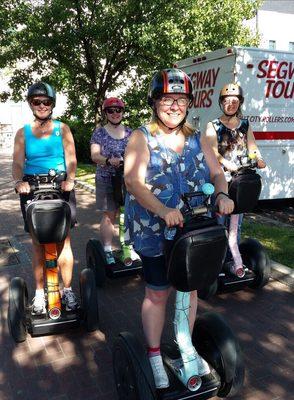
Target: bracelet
107 162
225 194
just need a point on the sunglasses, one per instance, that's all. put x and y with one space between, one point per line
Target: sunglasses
37 102
114 110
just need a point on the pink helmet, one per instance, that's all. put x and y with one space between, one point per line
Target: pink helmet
112 102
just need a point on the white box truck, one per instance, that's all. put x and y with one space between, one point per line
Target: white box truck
267 79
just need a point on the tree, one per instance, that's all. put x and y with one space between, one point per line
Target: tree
87 48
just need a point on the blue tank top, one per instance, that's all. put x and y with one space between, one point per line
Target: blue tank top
170 175
44 153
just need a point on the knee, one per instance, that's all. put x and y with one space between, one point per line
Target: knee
157 297
108 219
64 246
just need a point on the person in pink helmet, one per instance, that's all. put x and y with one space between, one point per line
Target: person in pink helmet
108 144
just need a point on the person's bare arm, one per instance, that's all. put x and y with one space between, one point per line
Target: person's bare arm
135 167
253 149
70 158
96 156
225 205
18 163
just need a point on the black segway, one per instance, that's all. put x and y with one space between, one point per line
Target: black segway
49 219
95 254
194 259
244 190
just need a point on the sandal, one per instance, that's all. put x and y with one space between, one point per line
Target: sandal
239 272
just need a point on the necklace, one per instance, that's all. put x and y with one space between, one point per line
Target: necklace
43 128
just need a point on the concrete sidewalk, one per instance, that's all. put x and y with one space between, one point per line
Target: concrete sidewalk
77 365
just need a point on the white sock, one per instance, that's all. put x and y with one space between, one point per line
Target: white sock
39 293
107 248
67 288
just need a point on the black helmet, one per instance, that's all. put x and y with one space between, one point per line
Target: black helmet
170 80
42 89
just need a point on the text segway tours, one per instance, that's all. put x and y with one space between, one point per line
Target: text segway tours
194 258
95 254
48 219
244 190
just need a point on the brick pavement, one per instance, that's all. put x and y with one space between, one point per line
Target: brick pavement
77 365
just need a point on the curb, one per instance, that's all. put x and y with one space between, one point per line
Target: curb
283 274
85 186
279 272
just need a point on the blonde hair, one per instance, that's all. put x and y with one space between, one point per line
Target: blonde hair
186 129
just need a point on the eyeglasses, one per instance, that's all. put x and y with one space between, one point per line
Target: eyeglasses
169 101
114 110
37 102
230 100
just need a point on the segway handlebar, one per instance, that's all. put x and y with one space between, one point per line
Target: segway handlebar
247 163
206 190
45 182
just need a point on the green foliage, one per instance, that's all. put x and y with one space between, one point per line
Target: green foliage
88 48
82 134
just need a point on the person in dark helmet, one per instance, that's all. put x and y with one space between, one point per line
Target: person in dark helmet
40 146
232 140
108 145
163 160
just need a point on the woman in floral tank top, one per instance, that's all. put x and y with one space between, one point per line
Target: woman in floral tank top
163 160
232 140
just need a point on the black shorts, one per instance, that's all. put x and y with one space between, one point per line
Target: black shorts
69 197
155 272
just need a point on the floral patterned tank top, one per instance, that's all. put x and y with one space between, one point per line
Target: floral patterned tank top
169 175
232 143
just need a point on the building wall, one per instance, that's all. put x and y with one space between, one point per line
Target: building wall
275 23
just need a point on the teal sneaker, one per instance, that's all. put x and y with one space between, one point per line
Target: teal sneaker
109 258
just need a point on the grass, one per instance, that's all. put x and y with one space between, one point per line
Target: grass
277 240
86 173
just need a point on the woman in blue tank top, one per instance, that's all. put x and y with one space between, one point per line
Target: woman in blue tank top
43 145
163 160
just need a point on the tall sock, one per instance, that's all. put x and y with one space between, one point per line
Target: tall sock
153 351
39 293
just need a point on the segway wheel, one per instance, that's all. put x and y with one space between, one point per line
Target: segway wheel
132 371
209 291
18 302
217 344
255 258
89 299
95 258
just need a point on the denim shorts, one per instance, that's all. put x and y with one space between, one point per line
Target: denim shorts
104 197
155 272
